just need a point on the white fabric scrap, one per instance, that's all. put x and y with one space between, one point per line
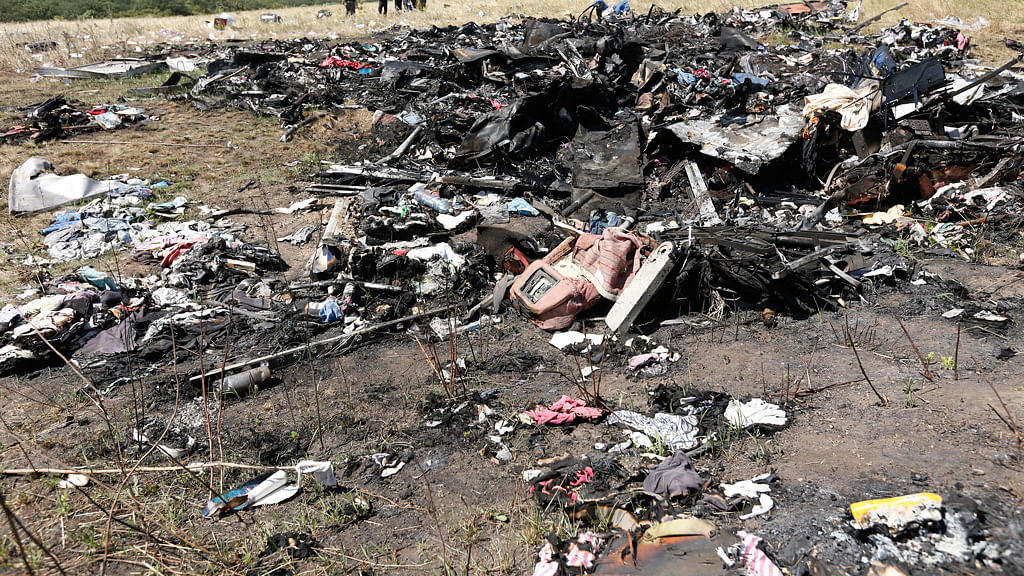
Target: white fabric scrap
967 97
165 296
273 490
764 505
855 106
574 340
390 464
991 196
296 206
756 411
322 471
441 251
950 314
745 488
47 323
451 222
74 480
180 64
11 353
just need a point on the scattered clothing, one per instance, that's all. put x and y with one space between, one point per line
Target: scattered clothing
565 411
673 477
678 432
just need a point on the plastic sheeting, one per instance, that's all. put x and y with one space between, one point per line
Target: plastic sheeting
35 188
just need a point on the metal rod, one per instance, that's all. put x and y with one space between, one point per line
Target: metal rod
402 148
370 285
325 342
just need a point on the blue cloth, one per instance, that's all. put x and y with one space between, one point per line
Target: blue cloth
621 8
521 206
62 221
172 204
598 224
685 77
742 77
106 224
330 312
883 61
601 6
101 280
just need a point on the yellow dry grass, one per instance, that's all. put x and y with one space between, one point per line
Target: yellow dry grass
83 41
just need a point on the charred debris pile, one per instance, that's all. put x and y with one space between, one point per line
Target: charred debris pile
765 160
776 154
618 171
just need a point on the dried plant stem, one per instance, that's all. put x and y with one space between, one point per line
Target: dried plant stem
12 519
220 402
594 375
141 530
206 404
110 428
168 468
859 364
433 365
14 533
956 355
137 506
316 394
736 317
153 446
1009 415
581 383
437 525
807 368
472 349
17 439
764 382
835 333
453 348
95 400
927 372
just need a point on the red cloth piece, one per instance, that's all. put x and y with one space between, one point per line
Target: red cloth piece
178 250
564 411
335 62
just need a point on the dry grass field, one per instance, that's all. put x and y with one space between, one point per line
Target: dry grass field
98 39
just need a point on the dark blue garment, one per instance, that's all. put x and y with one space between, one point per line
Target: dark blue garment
883 61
